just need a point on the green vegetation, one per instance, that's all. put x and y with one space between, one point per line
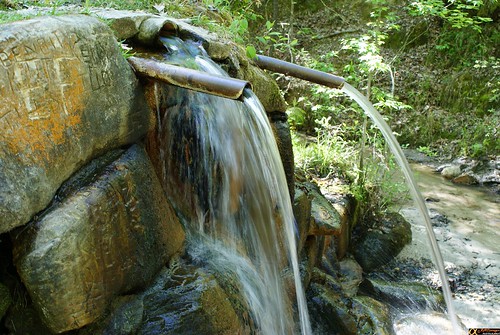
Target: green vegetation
431 67
447 104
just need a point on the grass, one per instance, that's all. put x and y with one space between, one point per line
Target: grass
328 155
22 10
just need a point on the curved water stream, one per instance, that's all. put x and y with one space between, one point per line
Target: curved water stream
227 180
415 194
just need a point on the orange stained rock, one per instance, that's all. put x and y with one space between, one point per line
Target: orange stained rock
40 115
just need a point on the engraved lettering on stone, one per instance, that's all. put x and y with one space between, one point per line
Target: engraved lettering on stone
40 82
99 73
4 59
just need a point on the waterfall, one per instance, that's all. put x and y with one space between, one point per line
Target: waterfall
223 174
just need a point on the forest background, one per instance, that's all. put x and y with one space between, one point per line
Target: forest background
431 67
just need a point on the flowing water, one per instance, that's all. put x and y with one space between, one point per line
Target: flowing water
226 178
416 195
466 220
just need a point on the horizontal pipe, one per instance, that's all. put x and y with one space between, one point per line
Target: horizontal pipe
294 70
190 79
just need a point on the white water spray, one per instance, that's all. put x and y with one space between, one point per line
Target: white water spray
226 177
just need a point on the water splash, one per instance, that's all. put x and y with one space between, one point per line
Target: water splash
416 195
223 165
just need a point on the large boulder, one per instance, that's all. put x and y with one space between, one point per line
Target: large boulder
332 312
189 301
183 299
378 243
66 95
109 236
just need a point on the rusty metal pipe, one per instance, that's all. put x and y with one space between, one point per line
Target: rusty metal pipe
190 79
294 70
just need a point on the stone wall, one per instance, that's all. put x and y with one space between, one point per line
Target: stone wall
67 96
84 219
93 222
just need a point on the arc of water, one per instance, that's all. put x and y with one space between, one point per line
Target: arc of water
415 193
329 80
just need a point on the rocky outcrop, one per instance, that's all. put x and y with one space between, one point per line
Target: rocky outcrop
92 259
66 96
108 236
377 244
332 312
182 300
194 302
316 216
146 29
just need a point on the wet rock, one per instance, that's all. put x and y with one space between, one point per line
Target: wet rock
377 245
310 257
68 96
438 219
465 179
5 299
329 311
238 65
373 317
107 237
188 301
329 261
450 172
125 318
350 276
403 295
281 131
182 299
334 313
263 85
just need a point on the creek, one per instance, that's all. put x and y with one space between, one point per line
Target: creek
465 220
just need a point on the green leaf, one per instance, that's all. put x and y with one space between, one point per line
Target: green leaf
251 52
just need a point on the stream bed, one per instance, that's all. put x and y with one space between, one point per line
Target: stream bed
465 220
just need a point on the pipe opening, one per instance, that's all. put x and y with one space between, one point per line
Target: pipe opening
294 70
190 79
